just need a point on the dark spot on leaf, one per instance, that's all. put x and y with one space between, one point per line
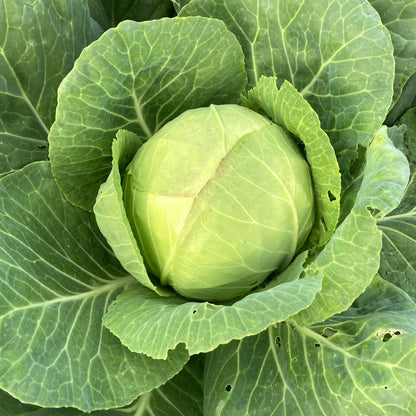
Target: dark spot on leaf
228 387
277 341
194 312
42 146
385 387
331 196
317 345
328 332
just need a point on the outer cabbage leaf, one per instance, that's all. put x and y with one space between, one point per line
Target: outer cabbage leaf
181 395
398 259
287 108
352 256
153 325
399 17
57 277
362 362
39 42
337 54
111 216
137 77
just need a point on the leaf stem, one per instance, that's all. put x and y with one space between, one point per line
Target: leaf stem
111 286
398 216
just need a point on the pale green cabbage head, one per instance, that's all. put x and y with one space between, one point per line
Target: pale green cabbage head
218 199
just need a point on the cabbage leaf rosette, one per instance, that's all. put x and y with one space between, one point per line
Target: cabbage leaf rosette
211 217
232 187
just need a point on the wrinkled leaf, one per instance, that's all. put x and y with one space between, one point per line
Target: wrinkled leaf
39 42
286 107
352 256
123 82
150 324
57 278
111 216
347 365
181 395
398 259
399 17
338 55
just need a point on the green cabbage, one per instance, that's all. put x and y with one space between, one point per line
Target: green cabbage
218 199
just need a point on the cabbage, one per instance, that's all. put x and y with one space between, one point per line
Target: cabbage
218 199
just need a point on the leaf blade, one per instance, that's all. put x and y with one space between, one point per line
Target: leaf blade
143 85
351 258
33 63
337 366
325 51
163 323
111 216
57 278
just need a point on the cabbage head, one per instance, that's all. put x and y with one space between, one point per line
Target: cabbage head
218 199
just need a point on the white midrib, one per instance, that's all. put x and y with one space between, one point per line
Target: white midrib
330 345
279 368
143 404
140 118
405 216
307 89
114 285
